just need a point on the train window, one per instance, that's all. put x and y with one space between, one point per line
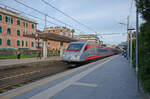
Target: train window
102 50
75 47
86 47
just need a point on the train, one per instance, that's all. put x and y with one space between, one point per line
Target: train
78 52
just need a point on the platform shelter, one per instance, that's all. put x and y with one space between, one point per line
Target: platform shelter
51 36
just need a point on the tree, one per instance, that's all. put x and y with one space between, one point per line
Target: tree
144 8
144 44
72 31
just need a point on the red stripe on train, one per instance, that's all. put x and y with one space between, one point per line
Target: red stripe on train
98 56
71 51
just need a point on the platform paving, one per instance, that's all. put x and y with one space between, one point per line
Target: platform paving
9 62
111 78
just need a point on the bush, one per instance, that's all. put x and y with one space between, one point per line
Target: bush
144 56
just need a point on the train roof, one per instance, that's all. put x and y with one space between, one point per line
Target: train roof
84 42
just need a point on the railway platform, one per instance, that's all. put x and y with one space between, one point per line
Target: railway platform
12 62
109 78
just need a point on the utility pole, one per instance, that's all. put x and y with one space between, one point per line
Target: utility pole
45 21
130 48
45 42
137 49
128 37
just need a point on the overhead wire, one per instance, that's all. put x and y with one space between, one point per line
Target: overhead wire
27 14
48 16
130 9
112 33
47 3
45 14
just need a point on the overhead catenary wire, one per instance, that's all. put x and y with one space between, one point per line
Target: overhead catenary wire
110 34
27 14
45 14
42 14
31 15
68 16
130 9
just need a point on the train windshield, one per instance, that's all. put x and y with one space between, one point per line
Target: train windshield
75 47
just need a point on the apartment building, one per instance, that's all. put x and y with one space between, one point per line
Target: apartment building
12 28
89 38
54 45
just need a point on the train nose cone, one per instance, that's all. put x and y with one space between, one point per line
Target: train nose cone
71 57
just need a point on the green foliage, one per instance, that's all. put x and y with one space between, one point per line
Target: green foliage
24 56
144 44
15 57
144 8
72 31
144 55
146 85
134 52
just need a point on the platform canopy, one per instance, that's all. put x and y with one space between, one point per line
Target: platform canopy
51 36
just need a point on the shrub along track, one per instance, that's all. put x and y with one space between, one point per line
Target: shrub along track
18 76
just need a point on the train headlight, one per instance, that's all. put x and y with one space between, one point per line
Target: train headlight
77 56
64 55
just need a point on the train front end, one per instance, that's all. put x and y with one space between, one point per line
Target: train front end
73 52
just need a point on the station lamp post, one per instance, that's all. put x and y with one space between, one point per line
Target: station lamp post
127 25
129 40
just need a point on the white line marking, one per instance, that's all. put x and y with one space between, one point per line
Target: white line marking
50 92
85 84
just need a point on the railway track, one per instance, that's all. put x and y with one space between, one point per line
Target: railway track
12 81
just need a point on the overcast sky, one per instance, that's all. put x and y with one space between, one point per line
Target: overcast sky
103 16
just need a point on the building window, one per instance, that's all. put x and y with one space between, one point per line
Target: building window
8 31
7 19
0 41
18 22
22 43
53 44
0 17
18 32
11 20
8 42
32 44
26 43
0 29
26 24
32 26
24 32
18 43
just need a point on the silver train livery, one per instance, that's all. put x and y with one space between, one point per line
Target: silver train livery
83 51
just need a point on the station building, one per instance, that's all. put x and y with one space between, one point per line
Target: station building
12 28
54 45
